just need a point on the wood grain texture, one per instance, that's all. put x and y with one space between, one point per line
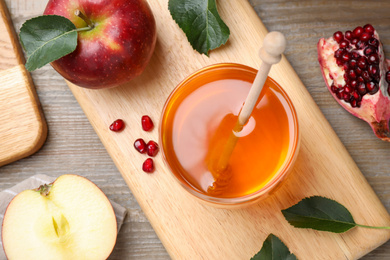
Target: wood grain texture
73 147
22 128
181 222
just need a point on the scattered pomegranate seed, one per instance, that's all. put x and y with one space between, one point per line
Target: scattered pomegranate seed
152 148
140 145
117 125
147 123
148 165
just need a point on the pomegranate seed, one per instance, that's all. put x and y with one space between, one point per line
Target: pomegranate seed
373 42
346 78
344 44
347 89
360 79
152 147
346 66
361 88
372 87
358 71
353 103
352 74
338 36
366 76
352 63
148 165
373 70
369 50
357 32
355 41
338 53
140 145
346 56
365 37
362 62
361 45
333 88
348 35
388 77
117 125
369 28
347 97
355 55
339 62
356 95
147 123
340 93
373 59
353 83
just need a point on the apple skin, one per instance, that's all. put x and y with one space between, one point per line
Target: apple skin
116 50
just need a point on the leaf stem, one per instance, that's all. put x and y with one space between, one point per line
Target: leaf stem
83 29
364 226
91 25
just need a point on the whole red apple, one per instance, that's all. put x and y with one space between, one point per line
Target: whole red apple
116 49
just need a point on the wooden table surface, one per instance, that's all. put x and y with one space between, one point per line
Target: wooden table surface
73 147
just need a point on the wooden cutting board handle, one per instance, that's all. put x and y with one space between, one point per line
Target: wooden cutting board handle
23 129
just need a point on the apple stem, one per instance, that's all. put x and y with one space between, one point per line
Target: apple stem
44 189
86 19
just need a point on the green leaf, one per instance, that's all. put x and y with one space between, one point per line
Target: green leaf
46 39
274 249
320 213
200 21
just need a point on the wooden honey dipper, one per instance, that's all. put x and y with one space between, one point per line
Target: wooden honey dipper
274 45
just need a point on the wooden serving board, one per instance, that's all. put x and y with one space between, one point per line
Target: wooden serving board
22 125
191 230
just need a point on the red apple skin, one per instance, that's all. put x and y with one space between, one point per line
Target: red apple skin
116 50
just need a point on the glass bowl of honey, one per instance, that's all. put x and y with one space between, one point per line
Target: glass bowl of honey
197 119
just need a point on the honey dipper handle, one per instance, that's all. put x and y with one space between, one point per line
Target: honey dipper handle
274 45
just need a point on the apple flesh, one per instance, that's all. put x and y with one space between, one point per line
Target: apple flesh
117 48
69 219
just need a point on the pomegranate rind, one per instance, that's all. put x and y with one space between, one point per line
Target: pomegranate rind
374 109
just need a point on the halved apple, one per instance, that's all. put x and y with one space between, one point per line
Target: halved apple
69 219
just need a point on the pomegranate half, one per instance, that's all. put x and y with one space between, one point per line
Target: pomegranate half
357 74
